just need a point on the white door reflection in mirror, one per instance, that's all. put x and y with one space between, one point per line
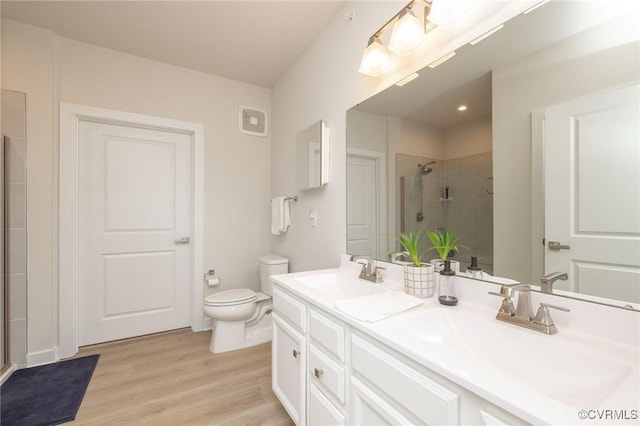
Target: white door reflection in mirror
365 208
592 193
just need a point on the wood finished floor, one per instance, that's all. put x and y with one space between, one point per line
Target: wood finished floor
173 379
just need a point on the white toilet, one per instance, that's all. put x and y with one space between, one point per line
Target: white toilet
242 316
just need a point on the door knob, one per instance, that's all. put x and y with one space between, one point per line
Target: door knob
555 245
183 240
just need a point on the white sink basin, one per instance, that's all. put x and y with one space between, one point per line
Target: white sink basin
565 368
336 286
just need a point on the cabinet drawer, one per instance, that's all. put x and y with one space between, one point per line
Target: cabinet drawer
424 398
290 308
321 411
326 372
327 333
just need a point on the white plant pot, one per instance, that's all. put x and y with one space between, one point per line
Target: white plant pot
439 265
419 281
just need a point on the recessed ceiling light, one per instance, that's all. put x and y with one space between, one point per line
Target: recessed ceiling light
462 108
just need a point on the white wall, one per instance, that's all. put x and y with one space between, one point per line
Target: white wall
53 69
323 84
474 137
567 70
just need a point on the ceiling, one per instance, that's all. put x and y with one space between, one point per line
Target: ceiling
251 41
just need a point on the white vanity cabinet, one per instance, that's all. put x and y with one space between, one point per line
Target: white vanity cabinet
289 354
329 372
411 393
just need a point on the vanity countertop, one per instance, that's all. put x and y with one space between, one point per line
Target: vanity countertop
568 378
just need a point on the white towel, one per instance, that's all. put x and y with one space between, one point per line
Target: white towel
379 306
280 215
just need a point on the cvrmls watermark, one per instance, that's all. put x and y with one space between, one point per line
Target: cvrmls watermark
603 414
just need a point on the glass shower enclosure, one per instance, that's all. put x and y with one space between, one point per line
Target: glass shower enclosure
13 274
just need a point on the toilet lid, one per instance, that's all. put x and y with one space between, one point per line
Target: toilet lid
231 297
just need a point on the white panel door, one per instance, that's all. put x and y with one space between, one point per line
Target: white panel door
592 193
135 190
362 206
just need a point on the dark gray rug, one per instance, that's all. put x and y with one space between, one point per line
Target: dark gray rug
47 395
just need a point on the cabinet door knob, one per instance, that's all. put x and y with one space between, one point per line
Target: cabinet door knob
296 353
318 373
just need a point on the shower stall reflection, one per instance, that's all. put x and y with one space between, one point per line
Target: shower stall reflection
450 194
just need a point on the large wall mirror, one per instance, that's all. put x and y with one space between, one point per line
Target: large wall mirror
527 137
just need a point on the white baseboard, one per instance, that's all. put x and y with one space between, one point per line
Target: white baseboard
7 373
41 358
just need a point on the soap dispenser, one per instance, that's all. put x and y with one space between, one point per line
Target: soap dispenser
474 271
447 286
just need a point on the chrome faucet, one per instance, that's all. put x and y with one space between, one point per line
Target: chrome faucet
522 314
547 281
369 271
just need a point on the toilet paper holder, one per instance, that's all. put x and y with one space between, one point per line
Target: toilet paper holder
210 279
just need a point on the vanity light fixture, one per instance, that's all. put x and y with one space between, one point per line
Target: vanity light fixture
485 35
462 108
407 79
409 31
375 59
443 13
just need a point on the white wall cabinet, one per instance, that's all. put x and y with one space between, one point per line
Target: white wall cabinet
343 376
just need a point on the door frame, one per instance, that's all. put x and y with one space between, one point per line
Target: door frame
68 220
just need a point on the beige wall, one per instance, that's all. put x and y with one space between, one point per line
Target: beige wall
53 69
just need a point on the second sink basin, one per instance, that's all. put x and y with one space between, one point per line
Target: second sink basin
563 367
336 286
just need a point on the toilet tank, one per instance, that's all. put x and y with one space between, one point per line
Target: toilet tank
271 264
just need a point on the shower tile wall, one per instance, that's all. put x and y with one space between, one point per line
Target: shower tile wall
13 126
470 209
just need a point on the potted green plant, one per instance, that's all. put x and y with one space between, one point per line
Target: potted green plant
418 276
445 243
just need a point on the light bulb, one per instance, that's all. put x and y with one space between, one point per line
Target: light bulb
408 33
375 59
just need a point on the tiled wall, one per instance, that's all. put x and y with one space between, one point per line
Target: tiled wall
469 211
13 126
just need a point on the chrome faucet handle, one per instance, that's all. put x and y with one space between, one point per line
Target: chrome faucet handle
507 306
543 317
376 275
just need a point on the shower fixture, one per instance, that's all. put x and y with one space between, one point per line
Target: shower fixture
424 169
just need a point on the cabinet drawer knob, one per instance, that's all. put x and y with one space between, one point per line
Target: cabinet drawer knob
296 353
318 373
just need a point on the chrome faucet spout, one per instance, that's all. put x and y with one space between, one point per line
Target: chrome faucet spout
522 315
546 282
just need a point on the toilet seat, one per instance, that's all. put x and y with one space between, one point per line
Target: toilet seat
233 297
